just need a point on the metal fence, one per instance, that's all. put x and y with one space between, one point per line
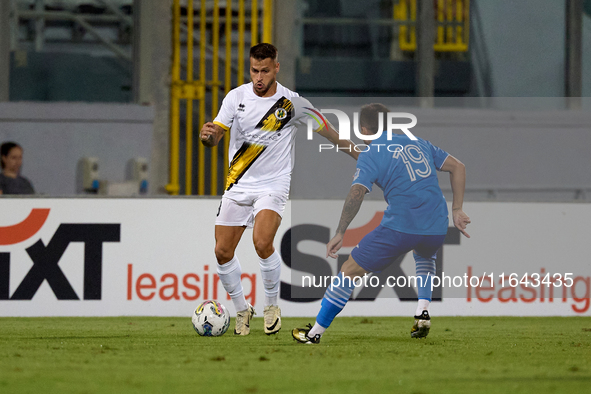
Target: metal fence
199 31
452 25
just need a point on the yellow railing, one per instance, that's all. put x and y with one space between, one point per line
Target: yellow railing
452 25
208 22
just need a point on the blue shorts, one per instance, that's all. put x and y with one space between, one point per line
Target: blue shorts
381 247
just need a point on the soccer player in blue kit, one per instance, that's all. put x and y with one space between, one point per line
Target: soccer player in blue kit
416 218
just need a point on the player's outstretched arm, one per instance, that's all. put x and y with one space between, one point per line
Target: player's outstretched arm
346 146
457 178
350 209
211 134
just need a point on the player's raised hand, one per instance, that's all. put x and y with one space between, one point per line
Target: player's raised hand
461 220
333 246
207 134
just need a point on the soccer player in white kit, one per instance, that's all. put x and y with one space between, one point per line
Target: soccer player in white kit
262 117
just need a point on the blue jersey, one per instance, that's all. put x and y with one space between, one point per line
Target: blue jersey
406 171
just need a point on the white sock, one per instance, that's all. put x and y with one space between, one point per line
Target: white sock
423 305
271 272
230 274
316 330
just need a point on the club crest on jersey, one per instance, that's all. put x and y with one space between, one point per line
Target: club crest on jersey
280 114
277 116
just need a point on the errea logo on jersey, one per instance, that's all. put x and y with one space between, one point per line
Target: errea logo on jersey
344 128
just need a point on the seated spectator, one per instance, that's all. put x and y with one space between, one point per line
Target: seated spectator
11 182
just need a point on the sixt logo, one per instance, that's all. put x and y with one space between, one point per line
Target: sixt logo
46 258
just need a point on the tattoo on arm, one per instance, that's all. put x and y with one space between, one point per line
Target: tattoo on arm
351 207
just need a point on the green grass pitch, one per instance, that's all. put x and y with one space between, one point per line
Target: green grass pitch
164 355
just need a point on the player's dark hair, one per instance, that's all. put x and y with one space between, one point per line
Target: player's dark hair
5 149
263 51
369 116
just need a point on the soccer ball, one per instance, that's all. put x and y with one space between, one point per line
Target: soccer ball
211 319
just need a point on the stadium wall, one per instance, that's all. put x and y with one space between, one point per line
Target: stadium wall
516 149
111 257
55 136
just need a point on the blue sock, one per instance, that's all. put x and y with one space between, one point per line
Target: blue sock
425 270
335 299
425 290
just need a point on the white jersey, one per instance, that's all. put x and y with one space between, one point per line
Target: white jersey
262 132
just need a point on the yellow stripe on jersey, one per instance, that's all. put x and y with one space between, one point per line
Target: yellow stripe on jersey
277 117
223 126
241 162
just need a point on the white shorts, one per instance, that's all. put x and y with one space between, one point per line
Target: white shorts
240 209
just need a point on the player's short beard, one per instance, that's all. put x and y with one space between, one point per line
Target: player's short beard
266 88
